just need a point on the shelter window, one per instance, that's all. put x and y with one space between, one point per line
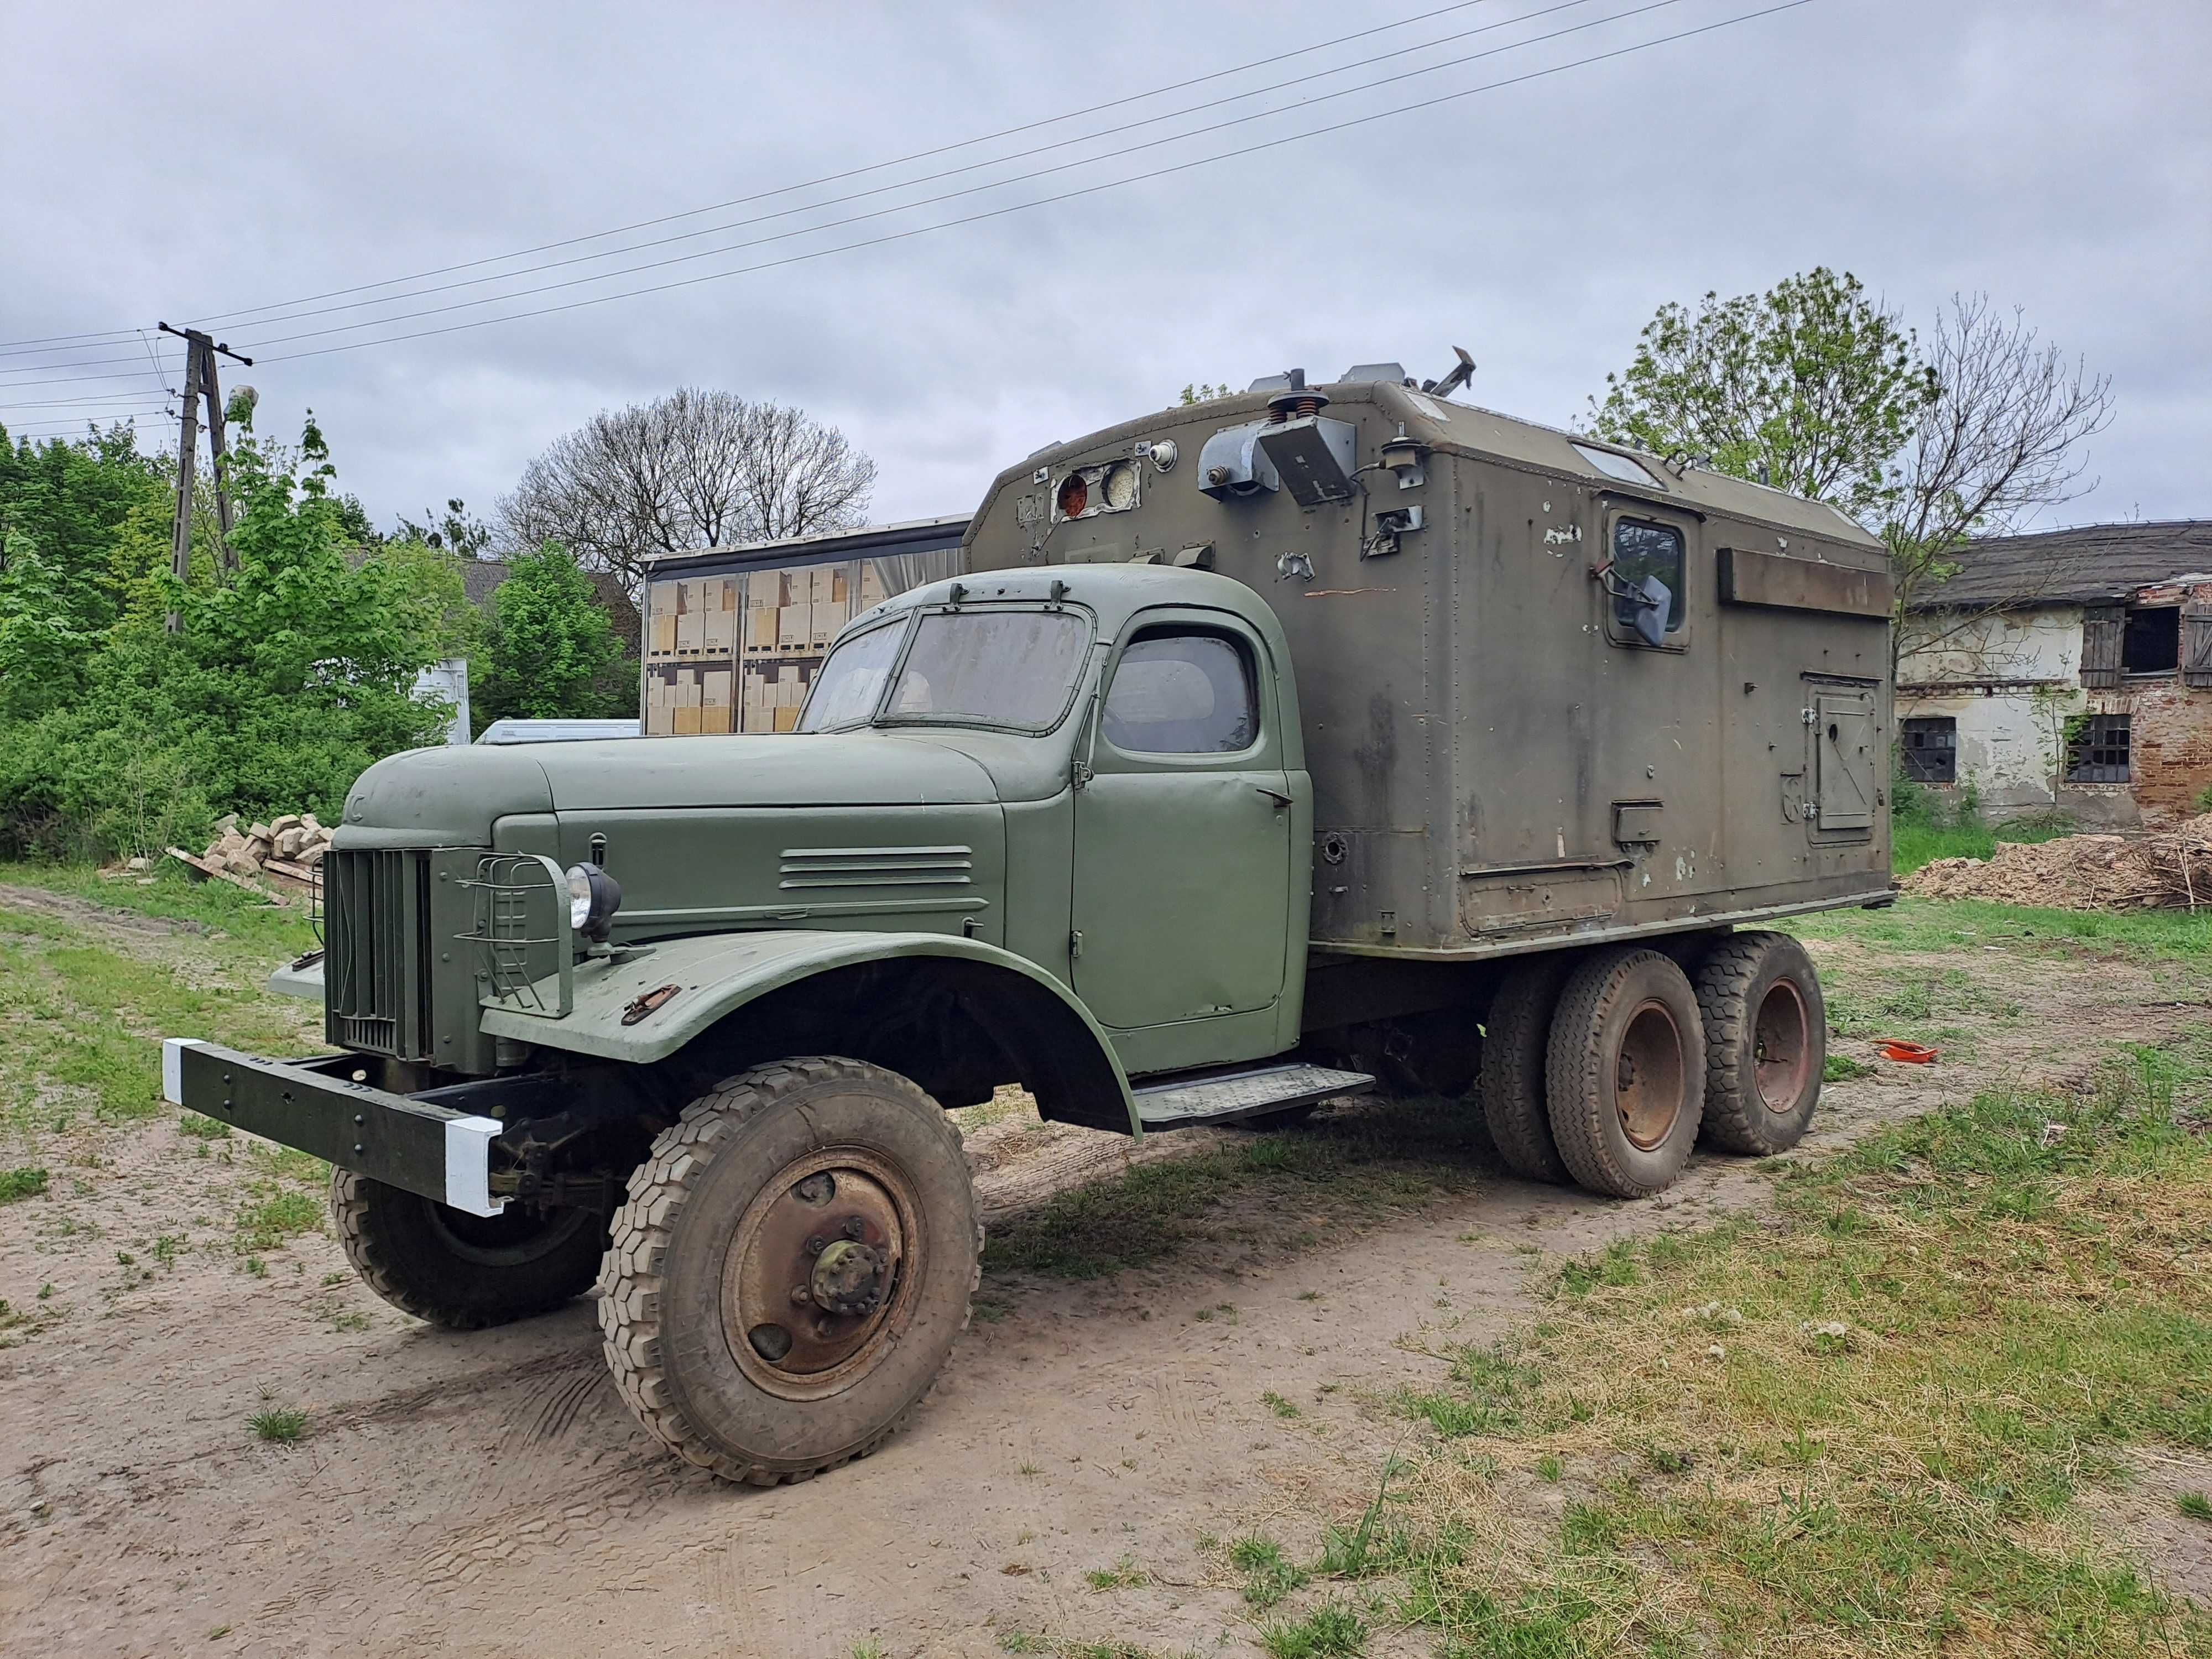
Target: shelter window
2152 641
1642 549
1181 694
1618 466
2097 749
1929 749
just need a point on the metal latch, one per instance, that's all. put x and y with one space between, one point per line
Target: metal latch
1075 943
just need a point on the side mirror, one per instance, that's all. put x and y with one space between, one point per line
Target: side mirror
1655 610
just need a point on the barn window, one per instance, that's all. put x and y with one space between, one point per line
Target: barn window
2152 641
2097 749
1929 749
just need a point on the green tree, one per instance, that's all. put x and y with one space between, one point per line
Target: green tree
1810 386
288 675
551 651
42 649
1815 389
71 497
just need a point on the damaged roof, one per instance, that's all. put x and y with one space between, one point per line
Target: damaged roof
2086 564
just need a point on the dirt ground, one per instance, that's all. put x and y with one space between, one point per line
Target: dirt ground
487 1494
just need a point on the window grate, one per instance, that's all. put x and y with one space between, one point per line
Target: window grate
1928 747
2097 749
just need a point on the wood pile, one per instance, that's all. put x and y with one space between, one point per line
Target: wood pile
285 853
2165 869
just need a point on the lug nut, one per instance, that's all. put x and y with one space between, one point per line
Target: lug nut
816 1244
855 1228
800 1295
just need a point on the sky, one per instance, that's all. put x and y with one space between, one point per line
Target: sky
225 165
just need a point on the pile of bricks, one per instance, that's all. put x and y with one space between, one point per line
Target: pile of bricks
285 852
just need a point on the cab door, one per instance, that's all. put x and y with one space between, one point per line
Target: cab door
1184 817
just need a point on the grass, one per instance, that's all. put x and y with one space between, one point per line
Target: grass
1275 1403
2194 1505
1269 1575
1913 844
1331 1630
81 1018
1944 1338
281 1424
1947 926
1842 1068
18 1184
1124 1574
273 1214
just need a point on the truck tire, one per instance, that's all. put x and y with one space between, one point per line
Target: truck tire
1514 1034
1625 1071
791 1269
1767 1041
461 1271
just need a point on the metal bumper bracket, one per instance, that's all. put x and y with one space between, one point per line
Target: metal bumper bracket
431 1149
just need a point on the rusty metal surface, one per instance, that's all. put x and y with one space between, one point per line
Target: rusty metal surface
819 1273
1750 577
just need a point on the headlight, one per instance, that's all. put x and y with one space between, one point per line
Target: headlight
593 898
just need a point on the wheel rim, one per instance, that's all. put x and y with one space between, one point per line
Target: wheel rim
1782 1045
514 1237
819 1279
1648 1075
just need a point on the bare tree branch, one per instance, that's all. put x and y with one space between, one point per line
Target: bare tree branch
693 470
2000 442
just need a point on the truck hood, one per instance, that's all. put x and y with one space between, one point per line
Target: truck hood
451 797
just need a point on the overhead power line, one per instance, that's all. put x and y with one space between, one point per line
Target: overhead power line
1046 201
973 190
112 336
235 320
875 166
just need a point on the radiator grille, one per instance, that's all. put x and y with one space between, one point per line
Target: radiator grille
376 919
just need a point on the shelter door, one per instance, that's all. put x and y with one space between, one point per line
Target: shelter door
1183 835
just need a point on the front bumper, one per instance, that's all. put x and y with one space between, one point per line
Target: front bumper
316 1106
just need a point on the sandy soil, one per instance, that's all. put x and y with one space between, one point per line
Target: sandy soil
487 1494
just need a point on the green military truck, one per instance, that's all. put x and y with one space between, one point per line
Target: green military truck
1267 750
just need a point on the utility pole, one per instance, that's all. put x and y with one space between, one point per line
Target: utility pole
200 381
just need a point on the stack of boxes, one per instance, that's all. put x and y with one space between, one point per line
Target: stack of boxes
738 652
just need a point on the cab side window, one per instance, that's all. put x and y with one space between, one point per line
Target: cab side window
1181 694
1642 549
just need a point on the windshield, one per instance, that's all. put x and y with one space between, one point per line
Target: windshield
967 667
850 683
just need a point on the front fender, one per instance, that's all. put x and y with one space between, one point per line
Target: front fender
716 973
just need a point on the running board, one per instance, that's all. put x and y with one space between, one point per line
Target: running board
1225 1096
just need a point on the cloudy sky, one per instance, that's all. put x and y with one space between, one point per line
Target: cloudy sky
230 164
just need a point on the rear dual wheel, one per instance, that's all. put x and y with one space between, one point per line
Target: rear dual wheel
1625 1072
791 1269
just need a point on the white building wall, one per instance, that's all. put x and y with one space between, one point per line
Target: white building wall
2010 683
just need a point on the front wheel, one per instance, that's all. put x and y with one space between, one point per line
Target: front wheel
792 1268
463 1271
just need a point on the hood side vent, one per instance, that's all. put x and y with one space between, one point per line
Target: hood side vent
877 866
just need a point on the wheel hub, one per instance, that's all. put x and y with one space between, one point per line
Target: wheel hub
1650 1076
811 1284
1782 1046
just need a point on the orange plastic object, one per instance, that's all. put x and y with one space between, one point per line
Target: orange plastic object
1911 1054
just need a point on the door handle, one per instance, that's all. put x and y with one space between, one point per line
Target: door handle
1277 796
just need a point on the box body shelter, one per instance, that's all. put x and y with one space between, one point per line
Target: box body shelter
1500 761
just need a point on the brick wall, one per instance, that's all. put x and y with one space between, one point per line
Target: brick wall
2171 728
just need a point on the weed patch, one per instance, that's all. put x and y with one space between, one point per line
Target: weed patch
18 1184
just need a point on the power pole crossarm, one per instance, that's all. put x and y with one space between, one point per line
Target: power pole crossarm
200 382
